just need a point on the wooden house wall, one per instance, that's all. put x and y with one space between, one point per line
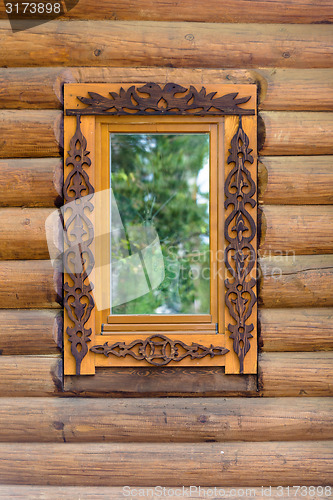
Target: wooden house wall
94 441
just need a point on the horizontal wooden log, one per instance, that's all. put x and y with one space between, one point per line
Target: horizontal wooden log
281 374
300 281
44 87
232 11
29 182
139 43
286 180
23 234
170 381
30 134
295 230
75 420
109 464
23 376
36 88
296 329
285 230
30 331
29 284
282 181
40 331
295 180
279 133
296 281
296 374
278 89
295 133
295 89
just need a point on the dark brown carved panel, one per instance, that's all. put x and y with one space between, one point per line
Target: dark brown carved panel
78 258
158 350
240 255
172 99
240 228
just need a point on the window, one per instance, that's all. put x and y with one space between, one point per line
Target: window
160 231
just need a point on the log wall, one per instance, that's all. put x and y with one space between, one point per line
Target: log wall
68 439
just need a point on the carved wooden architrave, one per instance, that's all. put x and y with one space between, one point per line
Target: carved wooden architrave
240 255
172 99
240 227
78 258
159 347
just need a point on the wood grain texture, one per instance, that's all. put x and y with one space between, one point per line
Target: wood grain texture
30 133
33 89
279 89
44 88
23 376
296 281
29 284
108 464
295 180
191 420
19 179
30 332
115 493
281 375
40 331
155 382
295 133
298 180
23 233
285 230
140 43
295 89
232 11
295 374
300 281
292 229
296 329
279 133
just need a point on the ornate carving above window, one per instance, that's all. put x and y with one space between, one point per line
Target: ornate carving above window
217 332
170 99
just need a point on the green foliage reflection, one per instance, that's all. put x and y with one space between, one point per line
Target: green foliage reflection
162 181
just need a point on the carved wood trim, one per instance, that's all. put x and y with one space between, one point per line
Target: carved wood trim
159 347
239 229
78 258
240 255
172 99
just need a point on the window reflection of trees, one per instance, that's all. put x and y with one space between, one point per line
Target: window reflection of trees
162 181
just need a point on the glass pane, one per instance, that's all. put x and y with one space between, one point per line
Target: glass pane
160 224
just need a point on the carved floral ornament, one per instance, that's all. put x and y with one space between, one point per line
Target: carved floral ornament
172 99
239 228
159 350
79 234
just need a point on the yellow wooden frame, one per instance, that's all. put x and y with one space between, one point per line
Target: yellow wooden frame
199 329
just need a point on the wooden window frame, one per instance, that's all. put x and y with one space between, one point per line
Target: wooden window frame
92 337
